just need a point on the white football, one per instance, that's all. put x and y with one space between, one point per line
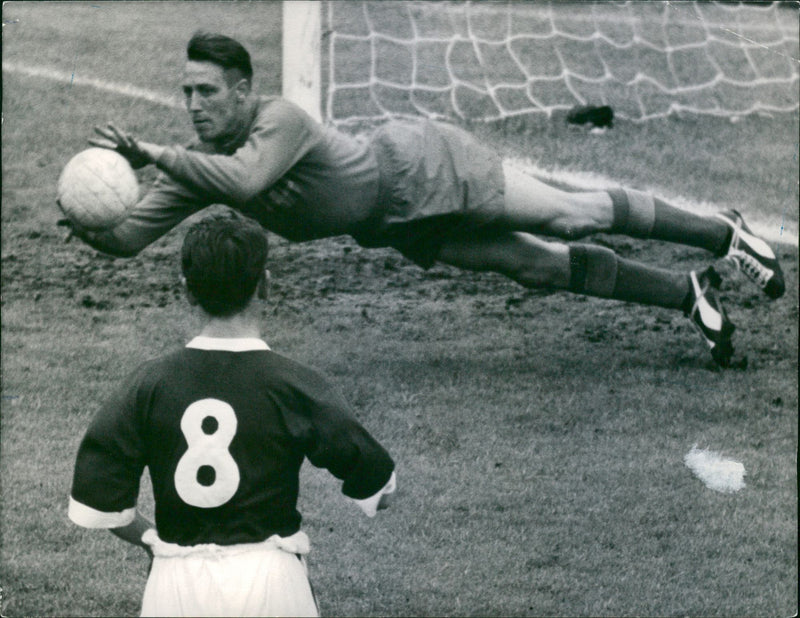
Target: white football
97 188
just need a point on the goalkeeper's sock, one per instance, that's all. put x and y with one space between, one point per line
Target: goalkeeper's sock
598 271
641 215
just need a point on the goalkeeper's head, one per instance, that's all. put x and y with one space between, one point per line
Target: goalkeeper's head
223 261
225 52
217 86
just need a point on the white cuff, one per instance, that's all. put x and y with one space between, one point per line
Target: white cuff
88 517
370 505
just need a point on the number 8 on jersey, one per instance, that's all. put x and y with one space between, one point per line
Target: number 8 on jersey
207 475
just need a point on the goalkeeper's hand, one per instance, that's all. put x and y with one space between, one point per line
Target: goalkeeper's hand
103 241
73 229
137 153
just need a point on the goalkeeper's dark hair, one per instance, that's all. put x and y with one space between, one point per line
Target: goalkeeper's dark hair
223 259
222 51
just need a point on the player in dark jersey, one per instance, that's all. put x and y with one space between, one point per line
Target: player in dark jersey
426 188
223 427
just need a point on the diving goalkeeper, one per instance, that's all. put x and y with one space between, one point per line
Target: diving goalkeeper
426 188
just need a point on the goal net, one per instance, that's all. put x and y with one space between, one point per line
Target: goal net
483 61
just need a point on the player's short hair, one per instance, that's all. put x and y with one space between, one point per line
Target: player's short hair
222 50
222 259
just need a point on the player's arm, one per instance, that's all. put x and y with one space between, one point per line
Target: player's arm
279 137
335 440
351 454
161 209
109 464
276 142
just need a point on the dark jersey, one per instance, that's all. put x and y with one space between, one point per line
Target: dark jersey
407 186
223 434
296 177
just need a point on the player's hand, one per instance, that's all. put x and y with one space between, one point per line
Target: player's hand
72 228
75 231
386 501
137 153
66 223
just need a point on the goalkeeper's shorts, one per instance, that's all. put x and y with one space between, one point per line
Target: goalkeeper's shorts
254 579
437 181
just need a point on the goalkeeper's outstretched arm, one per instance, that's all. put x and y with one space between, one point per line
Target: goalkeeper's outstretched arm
161 209
105 241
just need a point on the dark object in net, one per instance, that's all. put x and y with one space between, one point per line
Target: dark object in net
602 116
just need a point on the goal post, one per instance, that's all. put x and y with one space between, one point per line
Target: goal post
353 61
301 50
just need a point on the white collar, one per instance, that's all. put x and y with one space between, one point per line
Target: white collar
227 344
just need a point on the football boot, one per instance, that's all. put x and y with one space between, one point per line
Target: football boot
753 256
709 317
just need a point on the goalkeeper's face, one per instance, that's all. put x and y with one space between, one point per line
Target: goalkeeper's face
215 100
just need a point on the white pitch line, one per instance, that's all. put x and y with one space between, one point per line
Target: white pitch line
581 180
65 77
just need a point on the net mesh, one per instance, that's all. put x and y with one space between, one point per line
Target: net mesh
494 60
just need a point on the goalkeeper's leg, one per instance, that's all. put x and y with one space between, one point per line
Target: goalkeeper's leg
534 206
597 271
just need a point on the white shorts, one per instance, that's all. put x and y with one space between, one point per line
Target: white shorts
257 579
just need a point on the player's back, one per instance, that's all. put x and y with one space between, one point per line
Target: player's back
225 434
223 426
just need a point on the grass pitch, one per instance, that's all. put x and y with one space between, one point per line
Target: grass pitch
539 437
